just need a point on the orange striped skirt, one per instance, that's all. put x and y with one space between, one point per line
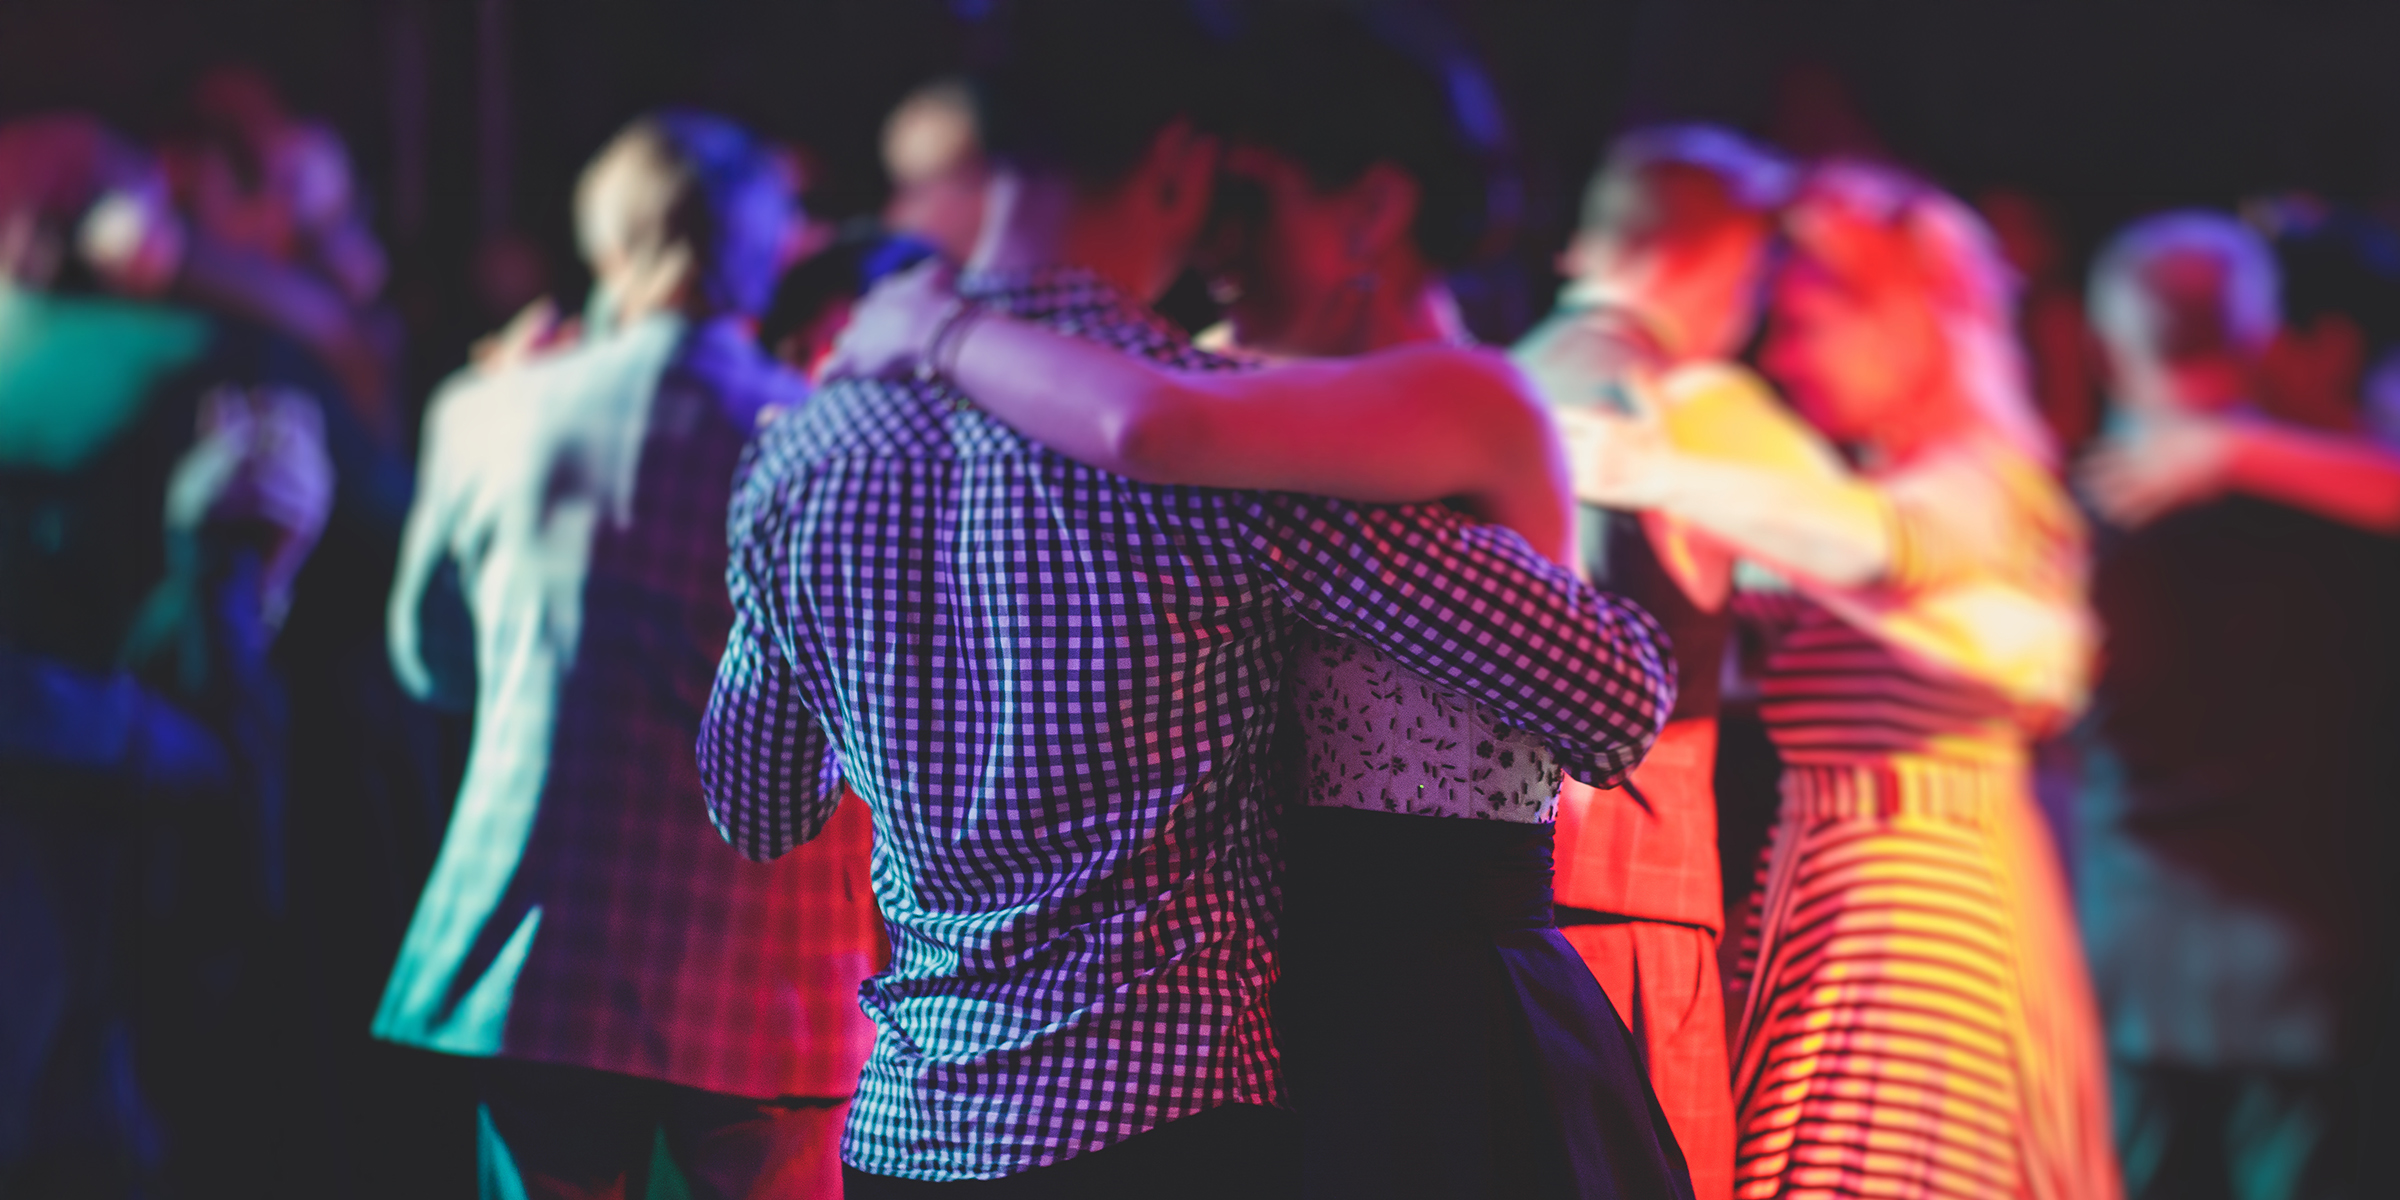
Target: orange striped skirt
1915 1016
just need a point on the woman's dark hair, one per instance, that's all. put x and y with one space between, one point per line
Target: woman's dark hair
1339 87
842 271
1085 86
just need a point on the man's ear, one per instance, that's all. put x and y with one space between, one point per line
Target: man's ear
1387 199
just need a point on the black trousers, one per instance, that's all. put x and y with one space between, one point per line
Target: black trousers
2231 1134
1242 1151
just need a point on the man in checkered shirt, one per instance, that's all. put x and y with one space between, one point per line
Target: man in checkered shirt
623 973
1057 688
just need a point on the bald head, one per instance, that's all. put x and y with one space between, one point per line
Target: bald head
933 152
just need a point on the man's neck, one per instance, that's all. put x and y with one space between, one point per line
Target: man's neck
1036 221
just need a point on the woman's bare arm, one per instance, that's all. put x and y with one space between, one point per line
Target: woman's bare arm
1415 424
1808 518
1838 537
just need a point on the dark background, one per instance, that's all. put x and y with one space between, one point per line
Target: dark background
468 118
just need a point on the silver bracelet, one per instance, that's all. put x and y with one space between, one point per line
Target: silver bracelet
941 325
949 333
954 342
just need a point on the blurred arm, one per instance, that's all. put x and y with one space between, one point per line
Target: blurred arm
2346 479
1785 502
1414 424
2158 465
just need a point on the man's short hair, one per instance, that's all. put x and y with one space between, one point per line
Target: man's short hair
2211 278
1085 86
1340 88
1738 180
712 189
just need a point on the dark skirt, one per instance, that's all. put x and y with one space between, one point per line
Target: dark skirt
1440 1039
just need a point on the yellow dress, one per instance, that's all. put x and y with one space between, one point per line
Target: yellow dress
1915 1017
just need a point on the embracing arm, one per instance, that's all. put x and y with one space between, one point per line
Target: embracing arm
1832 531
1948 560
2160 465
1418 423
1792 507
2351 480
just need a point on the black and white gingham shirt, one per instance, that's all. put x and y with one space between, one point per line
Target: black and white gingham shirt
1057 689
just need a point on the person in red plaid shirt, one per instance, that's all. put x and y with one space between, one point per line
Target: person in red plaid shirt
586 929
1664 280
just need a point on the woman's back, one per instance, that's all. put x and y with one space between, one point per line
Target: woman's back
1378 737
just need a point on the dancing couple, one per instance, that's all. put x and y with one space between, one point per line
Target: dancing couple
1076 609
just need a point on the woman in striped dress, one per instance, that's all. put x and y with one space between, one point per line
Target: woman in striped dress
1915 1015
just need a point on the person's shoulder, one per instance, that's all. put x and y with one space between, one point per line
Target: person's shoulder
1485 385
862 418
1487 365
479 408
592 360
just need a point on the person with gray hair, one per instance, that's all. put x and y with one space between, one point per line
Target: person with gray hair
628 975
2235 756
2205 445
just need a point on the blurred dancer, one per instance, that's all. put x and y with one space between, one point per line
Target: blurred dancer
933 152
282 238
1915 1018
2297 445
1665 279
141 727
2233 763
585 929
1538 1090
1074 762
